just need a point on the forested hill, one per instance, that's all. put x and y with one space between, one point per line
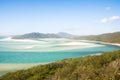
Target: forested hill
97 67
108 37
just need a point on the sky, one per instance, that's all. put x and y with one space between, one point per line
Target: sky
79 17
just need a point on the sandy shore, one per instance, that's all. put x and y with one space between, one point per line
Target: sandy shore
71 44
106 43
5 68
115 44
48 44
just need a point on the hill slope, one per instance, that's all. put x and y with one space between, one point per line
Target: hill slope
97 67
108 37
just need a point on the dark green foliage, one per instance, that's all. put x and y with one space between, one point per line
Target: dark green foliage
97 67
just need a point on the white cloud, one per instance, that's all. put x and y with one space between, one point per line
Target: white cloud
110 19
108 8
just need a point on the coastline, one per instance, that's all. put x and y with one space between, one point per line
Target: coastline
9 67
114 44
5 68
106 43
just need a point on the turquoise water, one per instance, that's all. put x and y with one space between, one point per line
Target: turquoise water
47 51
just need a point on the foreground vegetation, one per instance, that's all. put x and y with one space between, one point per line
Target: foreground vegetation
97 67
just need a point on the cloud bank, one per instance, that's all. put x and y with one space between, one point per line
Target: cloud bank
110 19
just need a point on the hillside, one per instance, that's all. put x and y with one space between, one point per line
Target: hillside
97 67
42 35
108 37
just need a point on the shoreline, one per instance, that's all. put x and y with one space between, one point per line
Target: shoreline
106 43
114 44
11 67
50 39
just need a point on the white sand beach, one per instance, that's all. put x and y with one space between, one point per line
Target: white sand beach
115 44
5 68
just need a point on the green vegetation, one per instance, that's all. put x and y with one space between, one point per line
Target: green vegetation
109 37
98 67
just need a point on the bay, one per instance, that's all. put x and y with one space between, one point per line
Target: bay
22 54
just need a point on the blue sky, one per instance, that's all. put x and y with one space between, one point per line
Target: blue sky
82 17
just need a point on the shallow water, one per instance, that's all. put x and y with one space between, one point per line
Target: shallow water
21 54
41 51
48 50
